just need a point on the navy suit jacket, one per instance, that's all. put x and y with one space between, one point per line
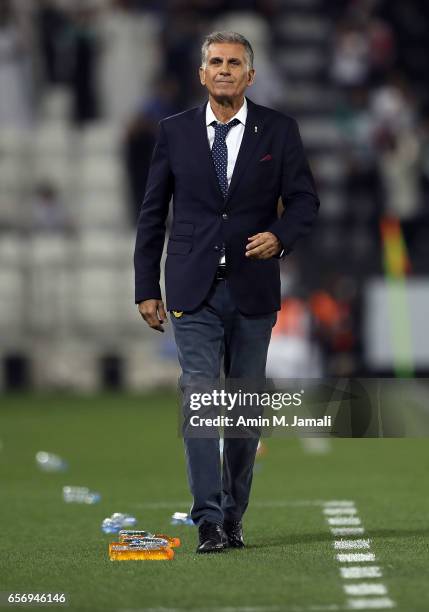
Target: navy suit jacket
203 220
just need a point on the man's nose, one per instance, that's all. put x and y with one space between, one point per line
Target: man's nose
224 69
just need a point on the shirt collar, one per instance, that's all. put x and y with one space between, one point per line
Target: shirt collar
241 115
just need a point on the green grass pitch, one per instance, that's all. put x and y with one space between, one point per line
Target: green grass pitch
127 448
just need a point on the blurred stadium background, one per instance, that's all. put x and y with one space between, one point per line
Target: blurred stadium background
83 85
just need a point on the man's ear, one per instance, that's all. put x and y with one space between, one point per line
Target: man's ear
251 77
202 76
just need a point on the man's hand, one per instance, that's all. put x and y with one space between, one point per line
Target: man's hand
263 246
153 313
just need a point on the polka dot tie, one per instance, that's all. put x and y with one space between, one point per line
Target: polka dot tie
220 152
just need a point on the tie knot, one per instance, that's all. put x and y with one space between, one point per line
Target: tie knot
223 128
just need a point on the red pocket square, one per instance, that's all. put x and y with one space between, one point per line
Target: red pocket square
266 157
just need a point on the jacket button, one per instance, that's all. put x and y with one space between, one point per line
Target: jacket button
225 216
216 248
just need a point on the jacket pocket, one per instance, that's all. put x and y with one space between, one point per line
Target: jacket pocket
177 247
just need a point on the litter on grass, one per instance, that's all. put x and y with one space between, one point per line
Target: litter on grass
182 518
80 495
117 521
136 545
125 552
129 536
48 462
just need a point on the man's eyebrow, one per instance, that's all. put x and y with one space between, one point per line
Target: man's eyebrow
230 59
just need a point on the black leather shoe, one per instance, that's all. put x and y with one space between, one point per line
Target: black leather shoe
234 533
212 538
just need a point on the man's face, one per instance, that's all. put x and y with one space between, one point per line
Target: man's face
226 75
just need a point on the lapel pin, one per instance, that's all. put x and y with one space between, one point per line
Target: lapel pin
256 129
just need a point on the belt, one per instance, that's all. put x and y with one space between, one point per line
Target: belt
221 272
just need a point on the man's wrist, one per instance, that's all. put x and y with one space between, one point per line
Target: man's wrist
139 301
281 250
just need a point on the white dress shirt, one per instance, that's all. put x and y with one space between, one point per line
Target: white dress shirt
233 139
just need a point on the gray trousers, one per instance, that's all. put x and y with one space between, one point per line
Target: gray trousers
218 333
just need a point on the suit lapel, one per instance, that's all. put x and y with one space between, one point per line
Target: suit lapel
251 137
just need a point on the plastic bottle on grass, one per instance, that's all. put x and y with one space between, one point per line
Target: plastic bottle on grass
80 495
128 536
182 518
134 533
126 520
118 520
48 462
123 552
109 526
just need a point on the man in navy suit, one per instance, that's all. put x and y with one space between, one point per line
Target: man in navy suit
225 164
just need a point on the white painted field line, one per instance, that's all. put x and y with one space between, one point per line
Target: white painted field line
347 531
358 572
365 588
339 502
350 544
355 557
292 503
377 603
275 503
340 510
344 520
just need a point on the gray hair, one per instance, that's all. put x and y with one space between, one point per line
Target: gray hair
227 37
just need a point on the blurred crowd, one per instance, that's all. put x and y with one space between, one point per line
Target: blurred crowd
377 63
383 109
126 61
129 63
